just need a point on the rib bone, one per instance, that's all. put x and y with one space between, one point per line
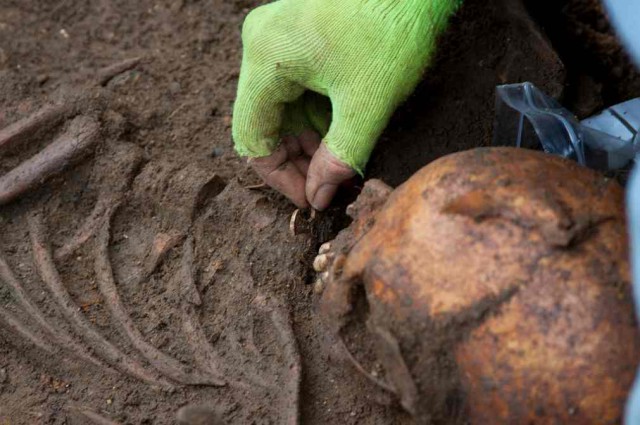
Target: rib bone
282 323
58 334
13 324
82 134
49 275
167 365
121 166
25 128
188 297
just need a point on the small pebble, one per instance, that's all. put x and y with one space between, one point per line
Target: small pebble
42 78
198 415
216 152
175 87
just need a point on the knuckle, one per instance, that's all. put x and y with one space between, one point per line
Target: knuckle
252 24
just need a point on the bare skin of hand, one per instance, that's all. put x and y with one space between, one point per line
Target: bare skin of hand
303 169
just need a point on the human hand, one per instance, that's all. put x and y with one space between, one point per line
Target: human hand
319 82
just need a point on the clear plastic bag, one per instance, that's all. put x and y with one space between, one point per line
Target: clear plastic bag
526 117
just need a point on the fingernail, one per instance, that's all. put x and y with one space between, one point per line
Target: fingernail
323 196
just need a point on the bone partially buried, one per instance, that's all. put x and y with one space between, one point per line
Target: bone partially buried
321 263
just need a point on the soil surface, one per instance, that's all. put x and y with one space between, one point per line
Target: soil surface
153 274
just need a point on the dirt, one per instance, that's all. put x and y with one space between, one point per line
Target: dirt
211 284
600 72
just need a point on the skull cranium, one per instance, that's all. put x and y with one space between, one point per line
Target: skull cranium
498 288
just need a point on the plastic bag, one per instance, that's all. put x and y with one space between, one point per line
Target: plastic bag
526 117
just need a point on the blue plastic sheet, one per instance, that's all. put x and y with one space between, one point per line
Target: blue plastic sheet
632 416
624 15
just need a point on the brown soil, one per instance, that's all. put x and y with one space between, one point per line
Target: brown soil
211 284
600 72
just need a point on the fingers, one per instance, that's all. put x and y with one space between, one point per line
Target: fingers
309 142
279 172
326 173
301 148
296 154
302 179
259 109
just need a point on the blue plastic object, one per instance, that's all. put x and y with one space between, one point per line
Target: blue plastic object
625 15
632 416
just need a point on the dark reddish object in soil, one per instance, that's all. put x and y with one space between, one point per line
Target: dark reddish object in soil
490 274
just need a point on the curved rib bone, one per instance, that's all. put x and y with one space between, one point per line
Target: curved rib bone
101 212
106 74
18 328
58 335
23 129
93 417
121 166
282 323
49 275
188 297
167 365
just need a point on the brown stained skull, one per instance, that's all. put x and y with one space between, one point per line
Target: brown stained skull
498 288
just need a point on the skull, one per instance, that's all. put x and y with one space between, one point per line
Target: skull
498 289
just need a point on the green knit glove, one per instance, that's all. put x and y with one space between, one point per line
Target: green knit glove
366 56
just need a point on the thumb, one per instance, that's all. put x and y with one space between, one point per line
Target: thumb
359 116
325 175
